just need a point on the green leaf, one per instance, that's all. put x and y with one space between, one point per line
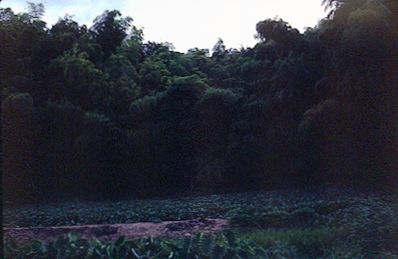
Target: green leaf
120 241
230 236
218 252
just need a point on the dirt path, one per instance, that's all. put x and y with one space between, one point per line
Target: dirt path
112 232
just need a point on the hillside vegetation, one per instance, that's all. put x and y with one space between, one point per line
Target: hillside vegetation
99 113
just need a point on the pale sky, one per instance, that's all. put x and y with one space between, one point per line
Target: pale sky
188 23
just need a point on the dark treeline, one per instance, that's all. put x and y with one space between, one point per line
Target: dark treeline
99 113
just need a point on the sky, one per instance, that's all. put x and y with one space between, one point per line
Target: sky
188 23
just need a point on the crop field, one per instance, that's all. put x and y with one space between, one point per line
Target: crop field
317 224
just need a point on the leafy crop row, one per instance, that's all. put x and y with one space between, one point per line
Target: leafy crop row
332 222
224 245
262 209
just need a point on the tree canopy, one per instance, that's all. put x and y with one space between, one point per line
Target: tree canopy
102 113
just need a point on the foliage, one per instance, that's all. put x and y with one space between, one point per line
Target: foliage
109 30
16 113
224 245
316 108
98 114
299 224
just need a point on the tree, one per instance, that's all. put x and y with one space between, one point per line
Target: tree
82 83
65 34
110 29
280 35
110 110
123 85
219 50
17 141
360 41
20 36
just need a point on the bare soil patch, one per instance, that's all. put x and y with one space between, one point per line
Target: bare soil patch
110 232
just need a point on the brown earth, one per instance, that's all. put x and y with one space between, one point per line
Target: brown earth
112 232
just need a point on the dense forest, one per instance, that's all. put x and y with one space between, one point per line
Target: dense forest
99 113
